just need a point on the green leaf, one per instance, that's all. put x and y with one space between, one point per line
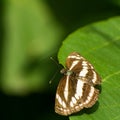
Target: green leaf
99 43
116 2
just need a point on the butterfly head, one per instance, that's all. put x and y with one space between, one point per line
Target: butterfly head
66 72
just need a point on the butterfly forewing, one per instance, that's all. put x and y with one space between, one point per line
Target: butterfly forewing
83 68
76 89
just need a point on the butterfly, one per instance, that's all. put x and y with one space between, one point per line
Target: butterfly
76 90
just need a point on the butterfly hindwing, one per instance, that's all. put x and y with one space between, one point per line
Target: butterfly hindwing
81 95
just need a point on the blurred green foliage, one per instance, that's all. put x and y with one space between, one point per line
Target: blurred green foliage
31 32
31 36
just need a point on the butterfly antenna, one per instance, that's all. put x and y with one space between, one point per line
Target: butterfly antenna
55 61
56 71
53 77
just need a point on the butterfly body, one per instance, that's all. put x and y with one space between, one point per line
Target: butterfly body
76 89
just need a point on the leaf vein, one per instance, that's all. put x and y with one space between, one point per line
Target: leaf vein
111 75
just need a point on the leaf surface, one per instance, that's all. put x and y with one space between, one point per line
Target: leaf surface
99 43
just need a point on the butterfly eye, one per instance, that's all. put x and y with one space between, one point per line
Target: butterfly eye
63 71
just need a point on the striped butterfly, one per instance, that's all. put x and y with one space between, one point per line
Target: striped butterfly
76 88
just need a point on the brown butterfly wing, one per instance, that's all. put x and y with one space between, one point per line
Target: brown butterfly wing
76 89
83 66
75 101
